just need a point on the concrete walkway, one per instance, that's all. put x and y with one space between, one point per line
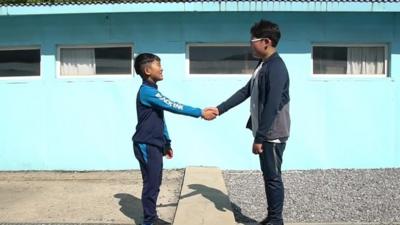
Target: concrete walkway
204 199
112 197
82 197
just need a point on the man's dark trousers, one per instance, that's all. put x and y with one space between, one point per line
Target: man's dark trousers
151 165
271 161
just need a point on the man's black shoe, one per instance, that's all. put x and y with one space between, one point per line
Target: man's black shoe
265 221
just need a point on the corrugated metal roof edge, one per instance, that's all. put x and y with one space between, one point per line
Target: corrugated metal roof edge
124 6
183 1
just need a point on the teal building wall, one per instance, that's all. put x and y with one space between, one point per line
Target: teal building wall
53 123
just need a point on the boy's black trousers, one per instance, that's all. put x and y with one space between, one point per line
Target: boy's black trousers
270 162
151 165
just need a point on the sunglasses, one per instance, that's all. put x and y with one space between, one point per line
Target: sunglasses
257 39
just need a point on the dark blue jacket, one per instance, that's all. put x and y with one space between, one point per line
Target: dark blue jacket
273 89
150 105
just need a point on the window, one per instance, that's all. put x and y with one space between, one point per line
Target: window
19 62
220 60
86 61
350 60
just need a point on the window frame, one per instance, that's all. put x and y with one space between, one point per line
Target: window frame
206 75
28 47
97 76
351 76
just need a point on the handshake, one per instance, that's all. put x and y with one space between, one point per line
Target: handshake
209 113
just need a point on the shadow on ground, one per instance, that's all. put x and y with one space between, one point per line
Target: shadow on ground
131 207
215 196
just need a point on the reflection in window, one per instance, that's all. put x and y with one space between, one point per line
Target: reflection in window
19 63
221 60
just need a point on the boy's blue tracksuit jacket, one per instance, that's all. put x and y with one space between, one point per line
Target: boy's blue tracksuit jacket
273 90
150 105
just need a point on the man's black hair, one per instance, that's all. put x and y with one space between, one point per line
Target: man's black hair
266 29
142 59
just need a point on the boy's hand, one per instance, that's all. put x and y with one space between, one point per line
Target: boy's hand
169 153
210 113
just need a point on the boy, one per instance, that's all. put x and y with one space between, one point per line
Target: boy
268 90
151 140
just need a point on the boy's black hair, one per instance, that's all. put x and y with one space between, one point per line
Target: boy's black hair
266 29
141 60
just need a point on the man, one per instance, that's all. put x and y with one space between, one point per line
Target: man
268 90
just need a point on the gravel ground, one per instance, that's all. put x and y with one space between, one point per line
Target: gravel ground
321 196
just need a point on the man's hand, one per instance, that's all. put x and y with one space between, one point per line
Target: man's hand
257 148
210 113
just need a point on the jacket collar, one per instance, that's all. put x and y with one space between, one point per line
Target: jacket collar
274 55
148 83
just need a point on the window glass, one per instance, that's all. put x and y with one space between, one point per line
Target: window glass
350 60
113 60
19 63
96 61
221 60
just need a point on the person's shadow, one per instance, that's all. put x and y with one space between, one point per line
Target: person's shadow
132 208
217 197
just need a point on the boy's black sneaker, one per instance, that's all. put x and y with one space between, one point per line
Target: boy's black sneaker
161 222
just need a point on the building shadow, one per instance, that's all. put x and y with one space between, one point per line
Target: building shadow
218 198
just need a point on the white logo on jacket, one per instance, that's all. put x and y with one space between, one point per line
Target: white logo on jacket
169 102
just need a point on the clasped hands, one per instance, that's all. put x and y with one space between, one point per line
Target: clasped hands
209 113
